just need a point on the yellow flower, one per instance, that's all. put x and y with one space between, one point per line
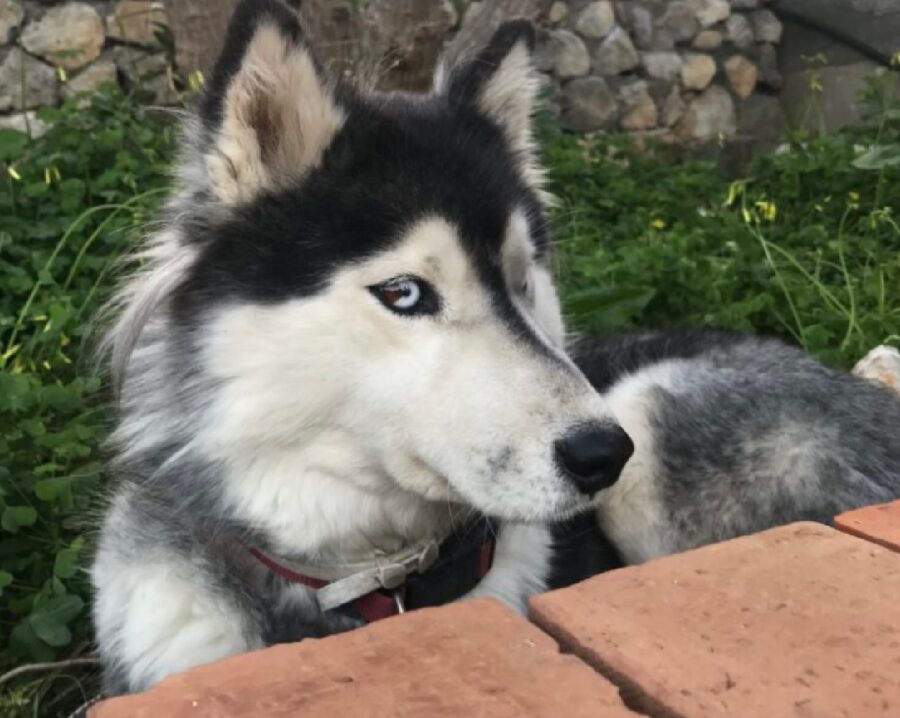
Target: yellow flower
14 173
658 224
768 210
854 196
61 73
735 189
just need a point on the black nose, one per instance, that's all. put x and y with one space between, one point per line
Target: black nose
592 456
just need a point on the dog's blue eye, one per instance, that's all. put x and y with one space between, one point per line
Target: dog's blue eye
407 295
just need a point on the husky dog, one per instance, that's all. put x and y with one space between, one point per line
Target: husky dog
345 342
345 349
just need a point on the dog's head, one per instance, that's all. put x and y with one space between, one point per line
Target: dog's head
372 272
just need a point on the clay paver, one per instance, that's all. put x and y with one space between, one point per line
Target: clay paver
880 524
799 621
475 658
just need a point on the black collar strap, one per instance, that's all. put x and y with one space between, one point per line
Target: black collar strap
439 575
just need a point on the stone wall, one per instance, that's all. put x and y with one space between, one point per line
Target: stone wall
688 70
50 51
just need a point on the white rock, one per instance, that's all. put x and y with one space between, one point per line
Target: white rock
568 54
708 40
767 27
616 54
25 122
709 12
596 20
559 11
639 110
709 116
588 105
881 365
742 75
674 107
697 71
662 65
40 87
679 21
738 32
70 35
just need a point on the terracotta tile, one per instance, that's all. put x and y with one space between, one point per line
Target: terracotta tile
468 659
798 621
880 524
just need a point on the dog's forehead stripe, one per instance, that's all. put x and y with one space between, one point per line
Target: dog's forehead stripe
390 165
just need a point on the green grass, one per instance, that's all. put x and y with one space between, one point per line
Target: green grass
805 248
69 204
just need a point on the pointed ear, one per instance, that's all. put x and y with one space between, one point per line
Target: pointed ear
268 112
502 82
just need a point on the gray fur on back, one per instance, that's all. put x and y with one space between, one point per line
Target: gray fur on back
749 433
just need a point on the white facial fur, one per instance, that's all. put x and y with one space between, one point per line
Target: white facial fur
336 391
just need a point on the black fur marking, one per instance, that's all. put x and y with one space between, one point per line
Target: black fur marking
606 360
580 551
394 162
467 82
246 20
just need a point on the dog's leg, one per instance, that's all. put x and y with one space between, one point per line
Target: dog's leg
162 616
521 568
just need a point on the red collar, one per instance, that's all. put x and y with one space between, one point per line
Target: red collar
378 604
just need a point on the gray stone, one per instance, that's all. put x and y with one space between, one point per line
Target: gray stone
766 27
588 105
136 21
596 20
474 10
679 21
662 65
558 12
762 119
639 111
69 35
662 39
743 4
739 32
873 23
616 54
742 75
27 123
638 20
708 40
710 12
147 71
673 108
89 79
709 116
37 87
569 55
767 62
697 71
11 15
839 103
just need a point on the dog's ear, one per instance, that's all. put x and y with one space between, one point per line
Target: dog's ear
501 82
268 112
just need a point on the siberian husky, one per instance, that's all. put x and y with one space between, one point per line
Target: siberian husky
343 388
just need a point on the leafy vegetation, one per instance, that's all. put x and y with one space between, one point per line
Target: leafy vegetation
68 204
806 247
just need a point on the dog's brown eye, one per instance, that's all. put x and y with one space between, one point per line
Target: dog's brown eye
407 295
